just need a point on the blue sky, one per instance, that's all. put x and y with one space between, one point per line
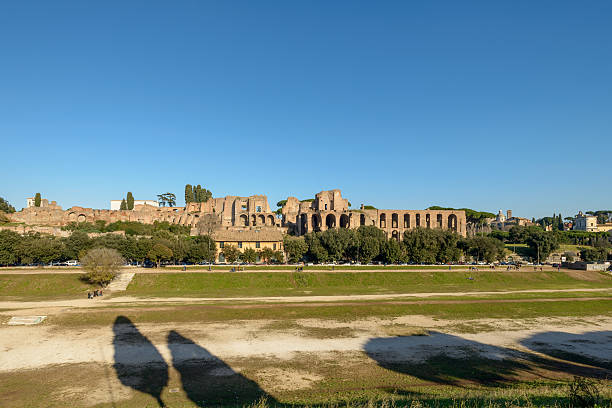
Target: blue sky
400 104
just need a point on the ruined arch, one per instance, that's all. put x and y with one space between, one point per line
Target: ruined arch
383 220
406 220
394 220
316 222
254 220
72 216
330 221
417 220
452 222
439 220
304 223
362 220
428 220
244 220
81 218
271 219
262 219
344 221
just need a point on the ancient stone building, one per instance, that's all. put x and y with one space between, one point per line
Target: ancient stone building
330 210
233 213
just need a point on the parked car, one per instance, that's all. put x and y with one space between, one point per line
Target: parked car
72 262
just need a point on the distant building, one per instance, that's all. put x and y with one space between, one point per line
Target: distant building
604 227
43 203
256 239
116 204
584 222
505 222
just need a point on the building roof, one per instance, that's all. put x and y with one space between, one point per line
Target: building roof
263 234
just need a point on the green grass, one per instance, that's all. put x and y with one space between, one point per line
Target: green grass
226 284
341 312
41 286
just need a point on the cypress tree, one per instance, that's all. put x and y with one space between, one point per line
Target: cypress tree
560 222
123 205
37 200
198 194
130 201
188 193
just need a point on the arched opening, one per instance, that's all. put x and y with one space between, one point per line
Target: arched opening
81 218
395 235
262 220
428 220
304 223
253 220
383 221
452 222
439 220
394 220
406 220
244 220
316 222
344 221
271 219
72 216
330 221
417 220
362 219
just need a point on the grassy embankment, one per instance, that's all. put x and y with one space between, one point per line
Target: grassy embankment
347 283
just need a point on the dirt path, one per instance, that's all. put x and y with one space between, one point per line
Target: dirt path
40 346
126 300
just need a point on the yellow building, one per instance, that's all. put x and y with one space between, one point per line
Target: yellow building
604 227
256 239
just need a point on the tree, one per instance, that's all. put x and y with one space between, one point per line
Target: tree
6 206
161 199
102 265
123 205
77 244
392 252
188 194
295 248
540 243
594 254
9 243
369 243
130 201
266 254
201 248
485 248
171 199
249 255
37 200
159 253
230 253
422 245
201 195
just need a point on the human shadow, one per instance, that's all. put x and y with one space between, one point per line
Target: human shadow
592 348
207 380
138 363
452 360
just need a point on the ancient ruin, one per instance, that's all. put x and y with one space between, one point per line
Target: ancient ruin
233 213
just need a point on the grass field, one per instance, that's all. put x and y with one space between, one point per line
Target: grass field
345 283
42 286
321 267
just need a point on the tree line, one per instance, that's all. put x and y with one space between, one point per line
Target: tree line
369 244
35 248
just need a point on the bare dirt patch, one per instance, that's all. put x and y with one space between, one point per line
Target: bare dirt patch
286 379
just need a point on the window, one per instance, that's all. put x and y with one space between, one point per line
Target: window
221 244
274 247
244 207
257 244
326 206
239 244
258 208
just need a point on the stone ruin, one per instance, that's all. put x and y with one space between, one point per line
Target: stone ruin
328 210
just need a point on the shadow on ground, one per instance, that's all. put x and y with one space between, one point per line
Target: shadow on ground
206 379
137 362
451 360
591 348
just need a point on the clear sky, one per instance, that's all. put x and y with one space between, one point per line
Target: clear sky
401 104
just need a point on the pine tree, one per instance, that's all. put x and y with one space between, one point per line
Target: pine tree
188 194
130 201
123 205
37 200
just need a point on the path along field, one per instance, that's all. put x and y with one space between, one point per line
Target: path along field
383 338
